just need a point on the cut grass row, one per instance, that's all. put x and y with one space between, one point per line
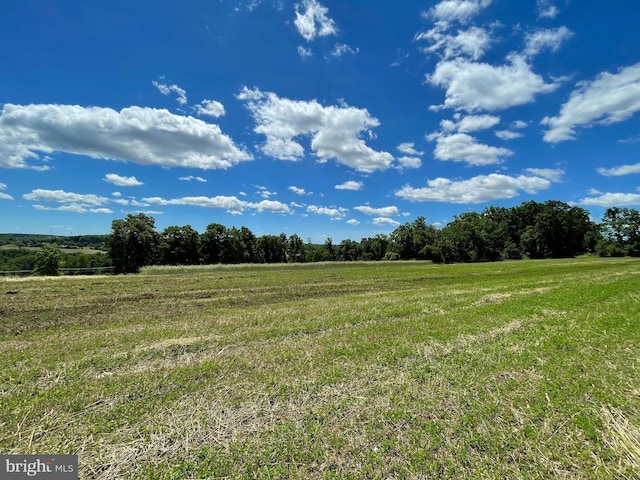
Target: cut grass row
369 370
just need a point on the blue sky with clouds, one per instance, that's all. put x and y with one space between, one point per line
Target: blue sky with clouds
323 118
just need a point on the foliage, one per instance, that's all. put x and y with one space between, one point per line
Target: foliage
552 229
48 260
133 243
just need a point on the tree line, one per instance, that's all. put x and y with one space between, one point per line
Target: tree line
552 229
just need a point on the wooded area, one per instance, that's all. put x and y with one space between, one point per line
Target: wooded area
552 229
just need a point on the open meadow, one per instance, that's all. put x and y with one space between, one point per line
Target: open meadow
523 369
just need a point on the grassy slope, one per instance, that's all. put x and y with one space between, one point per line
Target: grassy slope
379 370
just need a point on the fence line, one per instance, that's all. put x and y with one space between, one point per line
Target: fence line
63 271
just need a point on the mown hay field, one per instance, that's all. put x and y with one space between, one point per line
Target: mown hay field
527 369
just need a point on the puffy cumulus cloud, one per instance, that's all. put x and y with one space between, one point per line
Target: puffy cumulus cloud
335 131
350 185
353 221
230 204
72 202
334 213
168 89
473 86
211 108
191 178
409 162
508 135
409 149
460 147
610 98
391 211
550 39
312 20
552 174
475 123
264 192
457 10
4 196
472 43
519 124
60 196
385 221
480 189
298 190
612 200
620 170
146 136
121 181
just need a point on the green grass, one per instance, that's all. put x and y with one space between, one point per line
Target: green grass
525 369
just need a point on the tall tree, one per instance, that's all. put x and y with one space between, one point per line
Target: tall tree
133 243
48 260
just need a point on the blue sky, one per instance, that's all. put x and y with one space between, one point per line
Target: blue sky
323 118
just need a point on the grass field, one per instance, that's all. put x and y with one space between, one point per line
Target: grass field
527 369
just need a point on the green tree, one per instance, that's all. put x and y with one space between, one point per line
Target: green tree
179 246
48 260
133 243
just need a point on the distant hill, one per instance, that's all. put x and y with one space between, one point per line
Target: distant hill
96 242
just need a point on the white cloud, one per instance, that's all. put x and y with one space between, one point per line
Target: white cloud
4 196
385 221
191 178
391 211
508 134
479 86
264 193
634 139
73 208
552 174
620 170
350 185
353 221
297 190
60 196
335 131
546 9
304 52
475 123
142 135
610 98
167 89
457 10
480 189
519 124
409 149
230 204
121 181
409 162
116 194
460 147
341 49
335 213
212 108
312 20
472 43
546 39
272 206
612 200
